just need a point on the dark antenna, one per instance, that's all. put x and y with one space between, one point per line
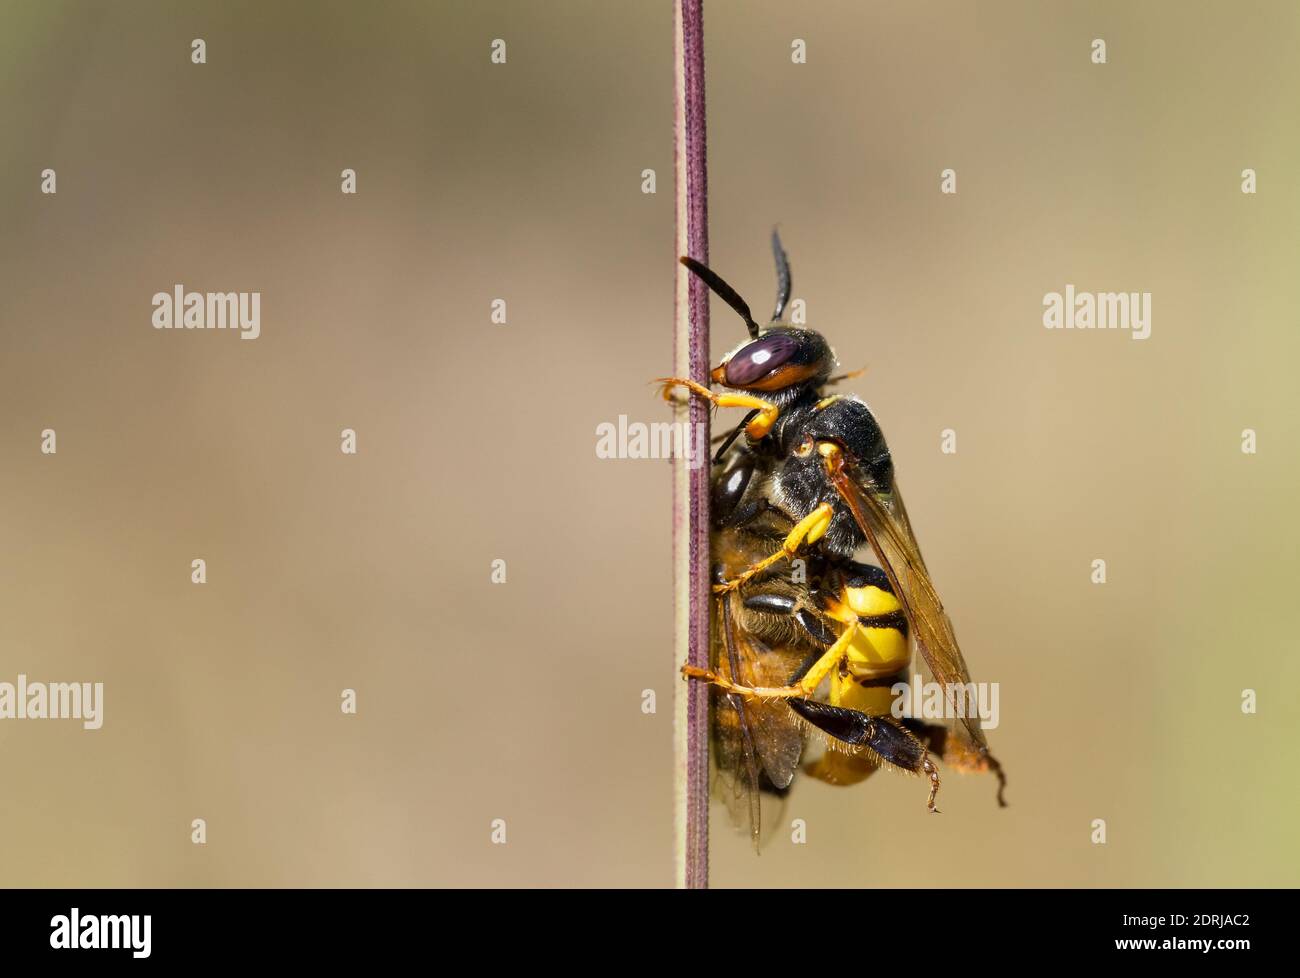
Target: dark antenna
782 275
725 292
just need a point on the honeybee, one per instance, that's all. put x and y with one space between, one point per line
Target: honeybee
809 485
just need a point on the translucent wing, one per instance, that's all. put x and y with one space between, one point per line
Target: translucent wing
883 520
734 758
735 763
778 735
755 742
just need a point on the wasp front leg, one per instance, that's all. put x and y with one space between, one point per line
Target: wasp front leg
810 529
758 427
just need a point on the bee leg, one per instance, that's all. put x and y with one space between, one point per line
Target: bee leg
961 755
810 529
932 773
810 623
884 737
802 688
757 428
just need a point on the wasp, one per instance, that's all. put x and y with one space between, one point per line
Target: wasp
794 501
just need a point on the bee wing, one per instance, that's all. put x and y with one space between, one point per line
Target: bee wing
752 739
778 735
735 760
735 763
883 520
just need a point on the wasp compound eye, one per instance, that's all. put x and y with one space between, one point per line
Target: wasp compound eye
760 358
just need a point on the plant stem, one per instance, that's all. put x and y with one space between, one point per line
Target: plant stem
691 482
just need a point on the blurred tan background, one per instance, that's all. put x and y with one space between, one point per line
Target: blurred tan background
476 441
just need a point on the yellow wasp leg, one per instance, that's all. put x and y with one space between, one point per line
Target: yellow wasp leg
810 529
758 428
803 689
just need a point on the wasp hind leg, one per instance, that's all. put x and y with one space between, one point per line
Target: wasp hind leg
886 739
959 754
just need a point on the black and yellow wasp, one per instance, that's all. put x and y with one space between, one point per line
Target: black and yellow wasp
809 485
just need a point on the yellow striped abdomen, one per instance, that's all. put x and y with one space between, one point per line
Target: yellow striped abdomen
879 651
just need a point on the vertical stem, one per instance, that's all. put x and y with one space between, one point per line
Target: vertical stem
691 481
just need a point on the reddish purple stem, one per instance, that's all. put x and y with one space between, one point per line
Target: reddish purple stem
697 237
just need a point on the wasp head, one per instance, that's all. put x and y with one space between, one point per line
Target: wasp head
778 360
782 358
